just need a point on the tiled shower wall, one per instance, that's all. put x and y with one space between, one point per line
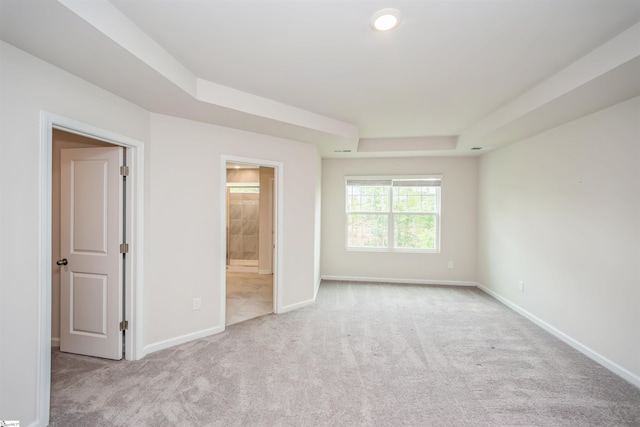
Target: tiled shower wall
243 226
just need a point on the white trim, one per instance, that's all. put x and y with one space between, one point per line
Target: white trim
593 355
55 342
317 288
134 283
278 235
161 345
406 281
43 396
428 177
291 307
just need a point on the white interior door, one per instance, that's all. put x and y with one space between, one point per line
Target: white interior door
91 229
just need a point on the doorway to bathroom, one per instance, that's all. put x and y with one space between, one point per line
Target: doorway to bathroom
250 241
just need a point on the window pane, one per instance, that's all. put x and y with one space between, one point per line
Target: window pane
414 231
367 231
414 199
367 198
430 200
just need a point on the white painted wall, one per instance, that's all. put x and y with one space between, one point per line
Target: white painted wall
29 85
182 215
318 224
185 217
561 211
458 224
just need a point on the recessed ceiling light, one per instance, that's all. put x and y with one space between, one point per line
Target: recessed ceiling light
385 19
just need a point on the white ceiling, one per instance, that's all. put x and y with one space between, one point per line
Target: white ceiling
455 74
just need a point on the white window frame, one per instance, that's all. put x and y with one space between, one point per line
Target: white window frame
390 213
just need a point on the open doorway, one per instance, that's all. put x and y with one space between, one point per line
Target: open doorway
250 230
89 266
133 236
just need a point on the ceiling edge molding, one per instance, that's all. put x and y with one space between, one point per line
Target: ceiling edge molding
617 52
225 96
412 144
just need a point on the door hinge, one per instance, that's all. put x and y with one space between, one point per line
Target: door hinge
124 325
124 170
124 248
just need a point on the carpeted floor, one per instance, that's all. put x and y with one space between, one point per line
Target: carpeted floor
363 355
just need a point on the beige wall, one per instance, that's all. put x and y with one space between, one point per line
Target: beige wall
182 223
243 175
29 86
458 224
265 257
561 211
185 222
243 218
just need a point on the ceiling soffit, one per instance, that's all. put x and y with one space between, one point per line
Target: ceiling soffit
602 77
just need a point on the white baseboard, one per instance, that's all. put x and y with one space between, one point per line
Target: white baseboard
161 345
55 342
265 271
407 281
291 307
612 366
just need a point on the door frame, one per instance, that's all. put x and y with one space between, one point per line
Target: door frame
278 192
134 236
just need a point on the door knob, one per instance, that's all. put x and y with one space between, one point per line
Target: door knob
62 261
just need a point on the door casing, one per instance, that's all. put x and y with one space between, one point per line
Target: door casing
134 236
277 209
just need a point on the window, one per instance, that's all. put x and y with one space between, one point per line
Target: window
393 213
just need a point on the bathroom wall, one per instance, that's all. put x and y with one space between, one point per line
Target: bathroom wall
243 228
243 218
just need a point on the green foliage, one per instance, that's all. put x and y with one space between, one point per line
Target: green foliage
414 232
368 199
367 231
414 199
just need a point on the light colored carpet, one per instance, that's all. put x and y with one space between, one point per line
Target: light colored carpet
364 354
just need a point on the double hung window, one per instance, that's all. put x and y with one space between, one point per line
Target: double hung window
393 213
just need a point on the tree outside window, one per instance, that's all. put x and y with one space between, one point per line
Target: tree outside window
393 214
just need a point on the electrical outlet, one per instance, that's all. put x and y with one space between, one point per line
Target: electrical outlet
197 304
450 264
521 285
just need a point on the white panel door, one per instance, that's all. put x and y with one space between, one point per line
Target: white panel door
91 216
